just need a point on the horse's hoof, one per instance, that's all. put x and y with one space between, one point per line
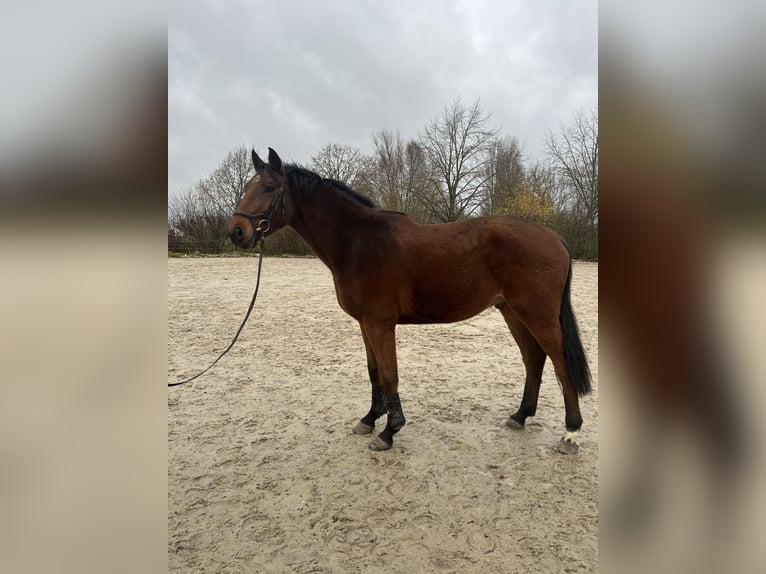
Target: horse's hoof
568 446
514 424
362 428
378 444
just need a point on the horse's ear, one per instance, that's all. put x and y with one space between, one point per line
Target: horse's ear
258 163
275 163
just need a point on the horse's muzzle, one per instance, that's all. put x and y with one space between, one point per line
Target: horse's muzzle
240 237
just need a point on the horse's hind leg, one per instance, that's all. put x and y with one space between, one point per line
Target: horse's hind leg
570 442
378 405
548 334
544 324
534 360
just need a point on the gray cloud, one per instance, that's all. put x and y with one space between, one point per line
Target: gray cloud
298 75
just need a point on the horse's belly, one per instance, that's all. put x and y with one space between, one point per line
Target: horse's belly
447 306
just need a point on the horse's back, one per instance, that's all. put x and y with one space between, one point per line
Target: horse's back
452 271
497 240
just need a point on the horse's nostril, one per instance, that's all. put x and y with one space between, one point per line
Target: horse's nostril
237 235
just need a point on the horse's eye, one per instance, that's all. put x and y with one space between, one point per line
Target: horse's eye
270 188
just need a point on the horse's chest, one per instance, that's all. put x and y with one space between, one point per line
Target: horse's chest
359 299
347 304
350 300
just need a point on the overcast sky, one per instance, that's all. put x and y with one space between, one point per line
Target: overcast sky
296 75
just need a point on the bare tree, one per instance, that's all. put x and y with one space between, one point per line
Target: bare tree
340 162
420 183
225 185
387 179
574 153
197 218
507 172
457 147
398 175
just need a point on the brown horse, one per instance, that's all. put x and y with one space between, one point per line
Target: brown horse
389 270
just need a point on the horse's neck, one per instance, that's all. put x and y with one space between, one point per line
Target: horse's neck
328 223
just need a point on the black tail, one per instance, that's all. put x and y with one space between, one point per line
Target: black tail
574 354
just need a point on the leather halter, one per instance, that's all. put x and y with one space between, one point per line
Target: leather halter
264 218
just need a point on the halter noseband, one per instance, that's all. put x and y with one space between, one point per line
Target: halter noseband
265 218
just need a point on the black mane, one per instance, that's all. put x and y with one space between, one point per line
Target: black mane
307 180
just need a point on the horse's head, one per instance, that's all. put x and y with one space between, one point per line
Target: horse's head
261 209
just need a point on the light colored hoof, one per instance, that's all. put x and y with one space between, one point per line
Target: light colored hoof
513 424
378 444
568 446
362 428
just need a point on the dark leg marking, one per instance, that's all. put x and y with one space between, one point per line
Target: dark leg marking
394 424
377 410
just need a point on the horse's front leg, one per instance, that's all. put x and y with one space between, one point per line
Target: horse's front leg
394 424
382 342
378 405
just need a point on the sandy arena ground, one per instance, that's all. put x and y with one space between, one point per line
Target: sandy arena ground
264 474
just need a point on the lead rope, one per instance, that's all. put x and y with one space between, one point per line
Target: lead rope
250 308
